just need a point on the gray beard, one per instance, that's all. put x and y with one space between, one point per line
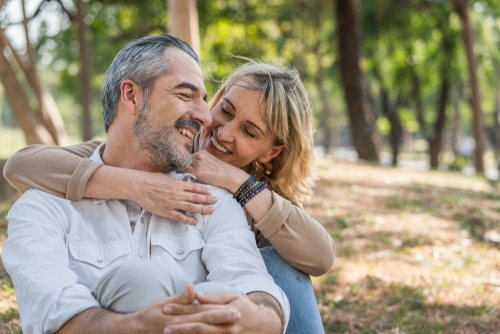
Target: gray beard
160 145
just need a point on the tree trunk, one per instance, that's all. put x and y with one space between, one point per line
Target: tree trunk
50 115
461 7
419 103
183 22
455 129
391 112
34 132
435 143
496 122
349 35
85 73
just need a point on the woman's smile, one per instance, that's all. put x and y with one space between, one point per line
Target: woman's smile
218 147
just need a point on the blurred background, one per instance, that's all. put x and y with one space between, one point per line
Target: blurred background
409 84
402 82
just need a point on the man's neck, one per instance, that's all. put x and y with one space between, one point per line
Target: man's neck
125 152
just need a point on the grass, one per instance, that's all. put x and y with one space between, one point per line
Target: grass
411 256
410 252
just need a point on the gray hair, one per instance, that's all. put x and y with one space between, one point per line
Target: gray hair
141 61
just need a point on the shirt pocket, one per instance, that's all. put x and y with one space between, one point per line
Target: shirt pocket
99 256
179 247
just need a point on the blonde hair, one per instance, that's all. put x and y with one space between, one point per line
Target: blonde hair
289 116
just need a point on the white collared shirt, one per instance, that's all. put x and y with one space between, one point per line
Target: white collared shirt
57 249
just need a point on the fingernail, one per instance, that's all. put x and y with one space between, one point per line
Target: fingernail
168 309
167 330
236 317
201 294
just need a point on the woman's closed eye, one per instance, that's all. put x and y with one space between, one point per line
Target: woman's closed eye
248 133
224 111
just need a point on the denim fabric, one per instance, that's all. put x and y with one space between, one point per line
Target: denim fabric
304 313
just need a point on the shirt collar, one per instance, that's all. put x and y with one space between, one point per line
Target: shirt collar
96 156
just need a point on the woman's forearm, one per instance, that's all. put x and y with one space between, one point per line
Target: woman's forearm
111 183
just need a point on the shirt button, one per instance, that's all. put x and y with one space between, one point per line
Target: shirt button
132 223
142 220
180 252
138 258
100 260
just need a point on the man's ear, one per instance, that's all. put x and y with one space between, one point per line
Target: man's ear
273 153
131 96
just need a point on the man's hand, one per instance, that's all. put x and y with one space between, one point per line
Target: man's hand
150 319
255 319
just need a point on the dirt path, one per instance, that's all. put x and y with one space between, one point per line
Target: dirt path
411 258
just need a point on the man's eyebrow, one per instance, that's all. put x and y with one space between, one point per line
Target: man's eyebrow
188 86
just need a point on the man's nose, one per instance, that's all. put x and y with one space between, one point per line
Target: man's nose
201 114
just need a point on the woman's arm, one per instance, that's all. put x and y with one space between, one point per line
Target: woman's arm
300 240
303 242
68 173
59 171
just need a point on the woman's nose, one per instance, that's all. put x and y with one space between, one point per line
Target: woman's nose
226 132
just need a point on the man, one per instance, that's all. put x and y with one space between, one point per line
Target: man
71 262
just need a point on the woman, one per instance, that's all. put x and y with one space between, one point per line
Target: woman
262 126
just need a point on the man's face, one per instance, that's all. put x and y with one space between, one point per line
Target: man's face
174 113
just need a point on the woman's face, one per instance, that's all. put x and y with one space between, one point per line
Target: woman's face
238 135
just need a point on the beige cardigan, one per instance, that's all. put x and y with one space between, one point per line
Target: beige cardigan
64 171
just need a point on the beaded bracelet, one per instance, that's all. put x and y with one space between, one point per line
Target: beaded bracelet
249 183
249 192
262 187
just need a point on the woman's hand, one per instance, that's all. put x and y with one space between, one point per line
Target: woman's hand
210 170
254 319
162 195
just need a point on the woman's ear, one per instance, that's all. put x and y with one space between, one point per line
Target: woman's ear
131 96
273 153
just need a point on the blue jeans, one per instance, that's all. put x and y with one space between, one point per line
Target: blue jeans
297 286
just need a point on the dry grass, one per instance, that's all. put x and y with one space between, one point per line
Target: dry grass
410 253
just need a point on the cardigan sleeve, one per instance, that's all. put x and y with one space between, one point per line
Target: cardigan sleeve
59 171
302 241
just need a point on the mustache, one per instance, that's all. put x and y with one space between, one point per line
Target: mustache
189 122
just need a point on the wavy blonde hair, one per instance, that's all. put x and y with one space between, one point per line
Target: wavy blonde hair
288 114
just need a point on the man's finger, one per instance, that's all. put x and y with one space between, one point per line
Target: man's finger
216 298
212 317
198 328
186 297
180 309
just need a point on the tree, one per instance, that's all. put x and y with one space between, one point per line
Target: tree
361 118
33 131
85 71
462 9
49 115
183 22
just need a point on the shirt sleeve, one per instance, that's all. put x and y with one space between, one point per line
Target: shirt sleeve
36 257
302 241
230 254
59 171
